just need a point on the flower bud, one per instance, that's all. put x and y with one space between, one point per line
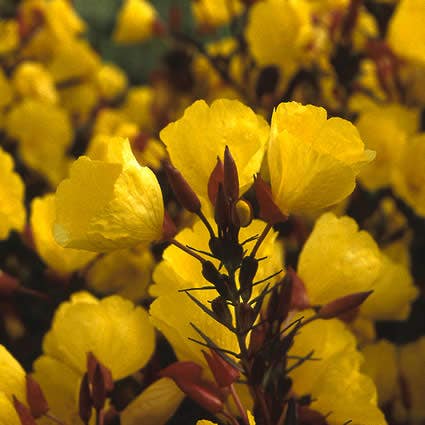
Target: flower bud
221 309
184 193
231 179
23 413
247 273
242 213
35 398
216 177
224 373
84 400
342 305
269 211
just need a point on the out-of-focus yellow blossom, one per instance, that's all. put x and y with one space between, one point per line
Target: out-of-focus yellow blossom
135 22
108 122
366 28
202 134
9 36
335 382
12 211
110 204
381 365
44 134
138 105
155 405
79 100
73 61
12 383
385 129
113 329
124 272
210 14
338 259
278 33
111 81
173 311
393 292
364 329
406 30
6 90
313 162
409 177
61 260
31 79
412 370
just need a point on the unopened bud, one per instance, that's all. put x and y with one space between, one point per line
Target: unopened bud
299 298
246 317
269 211
23 412
231 178
182 372
216 177
247 273
210 273
221 209
224 373
221 310
280 300
206 396
257 338
169 229
343 305
84 400
35 398
181 188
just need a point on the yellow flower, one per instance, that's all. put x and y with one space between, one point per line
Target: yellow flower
12 211
110 204
138 106
111 81
406 30
393 292
44 134
313 162
113 329
31 79
338 259
278 32
126 272
135 22
381 365
385 129
409 177
61 260
213 13
9 36
335 382
201 135
12 383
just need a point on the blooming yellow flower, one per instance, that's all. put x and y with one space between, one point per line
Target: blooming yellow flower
409 177
196 140
12 383
44 134
111 81
61 260
338 259
110 204
335 382
385 129
213 13
406 30
12 211
113 329
138 106
135 22
31 79
9 36
125 272
313 161
278 32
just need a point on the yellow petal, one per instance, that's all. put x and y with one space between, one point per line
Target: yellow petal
118 333
111 205
195 140
12 212
8 414
338 259
12 376
63 261
155 405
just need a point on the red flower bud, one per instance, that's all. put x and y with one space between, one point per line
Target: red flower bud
342 305
224 373
231 178
84 401
35 398
23 412
216 177
269 211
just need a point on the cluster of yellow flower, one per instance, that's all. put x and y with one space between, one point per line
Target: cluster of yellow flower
173 213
